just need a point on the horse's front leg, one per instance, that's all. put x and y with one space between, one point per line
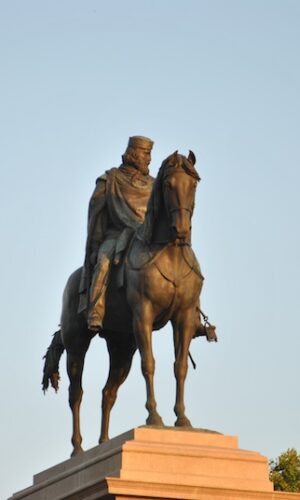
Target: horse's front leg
142 326
183 331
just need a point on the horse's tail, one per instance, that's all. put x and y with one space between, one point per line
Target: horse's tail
52 357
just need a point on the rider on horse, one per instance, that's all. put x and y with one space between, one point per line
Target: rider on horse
116 209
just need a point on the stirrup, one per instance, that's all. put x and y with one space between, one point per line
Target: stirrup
211 335
208 331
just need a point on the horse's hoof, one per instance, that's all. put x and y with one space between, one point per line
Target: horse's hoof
103 439
183 422
76 451
155 420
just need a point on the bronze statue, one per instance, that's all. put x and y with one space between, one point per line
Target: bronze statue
159 281
116 209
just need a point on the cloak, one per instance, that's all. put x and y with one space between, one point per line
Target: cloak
117 208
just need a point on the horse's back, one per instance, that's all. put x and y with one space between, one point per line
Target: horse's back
71 292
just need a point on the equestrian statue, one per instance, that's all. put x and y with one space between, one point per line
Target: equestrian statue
139 273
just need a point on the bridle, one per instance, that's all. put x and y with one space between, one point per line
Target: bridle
176 207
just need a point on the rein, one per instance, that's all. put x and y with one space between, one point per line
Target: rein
177 209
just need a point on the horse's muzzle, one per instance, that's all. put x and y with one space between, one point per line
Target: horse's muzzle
181 237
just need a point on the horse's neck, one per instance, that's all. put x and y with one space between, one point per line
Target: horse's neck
161 232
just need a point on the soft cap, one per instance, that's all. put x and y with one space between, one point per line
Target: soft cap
141 142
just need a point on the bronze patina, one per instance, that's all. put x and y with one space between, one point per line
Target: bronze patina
116 209
159 281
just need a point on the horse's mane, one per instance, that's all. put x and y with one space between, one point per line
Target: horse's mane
154 204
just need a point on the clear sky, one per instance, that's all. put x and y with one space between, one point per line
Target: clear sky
219 77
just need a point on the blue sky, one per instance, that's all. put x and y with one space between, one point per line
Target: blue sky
220 78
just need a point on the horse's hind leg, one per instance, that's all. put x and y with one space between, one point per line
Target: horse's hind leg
121 350
75 362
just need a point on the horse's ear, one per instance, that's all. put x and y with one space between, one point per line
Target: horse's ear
174 157
192 157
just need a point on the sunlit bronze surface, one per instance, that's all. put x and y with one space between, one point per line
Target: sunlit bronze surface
160 281
116 209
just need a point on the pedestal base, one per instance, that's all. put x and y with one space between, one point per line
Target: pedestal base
151 463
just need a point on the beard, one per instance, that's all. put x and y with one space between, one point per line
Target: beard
131 158
143 168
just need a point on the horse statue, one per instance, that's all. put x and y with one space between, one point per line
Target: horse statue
159 281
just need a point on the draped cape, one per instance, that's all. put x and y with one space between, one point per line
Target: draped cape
117 208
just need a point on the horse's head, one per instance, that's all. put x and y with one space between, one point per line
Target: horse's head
171 204
179 182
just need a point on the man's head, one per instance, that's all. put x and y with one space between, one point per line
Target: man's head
138 153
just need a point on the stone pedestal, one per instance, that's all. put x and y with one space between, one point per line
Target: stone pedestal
150 463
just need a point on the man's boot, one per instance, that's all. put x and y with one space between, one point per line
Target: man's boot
207 330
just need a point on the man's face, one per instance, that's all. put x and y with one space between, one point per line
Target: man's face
143 159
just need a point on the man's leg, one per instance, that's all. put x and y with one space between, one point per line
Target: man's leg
99 284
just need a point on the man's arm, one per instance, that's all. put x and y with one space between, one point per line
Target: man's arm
96 221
